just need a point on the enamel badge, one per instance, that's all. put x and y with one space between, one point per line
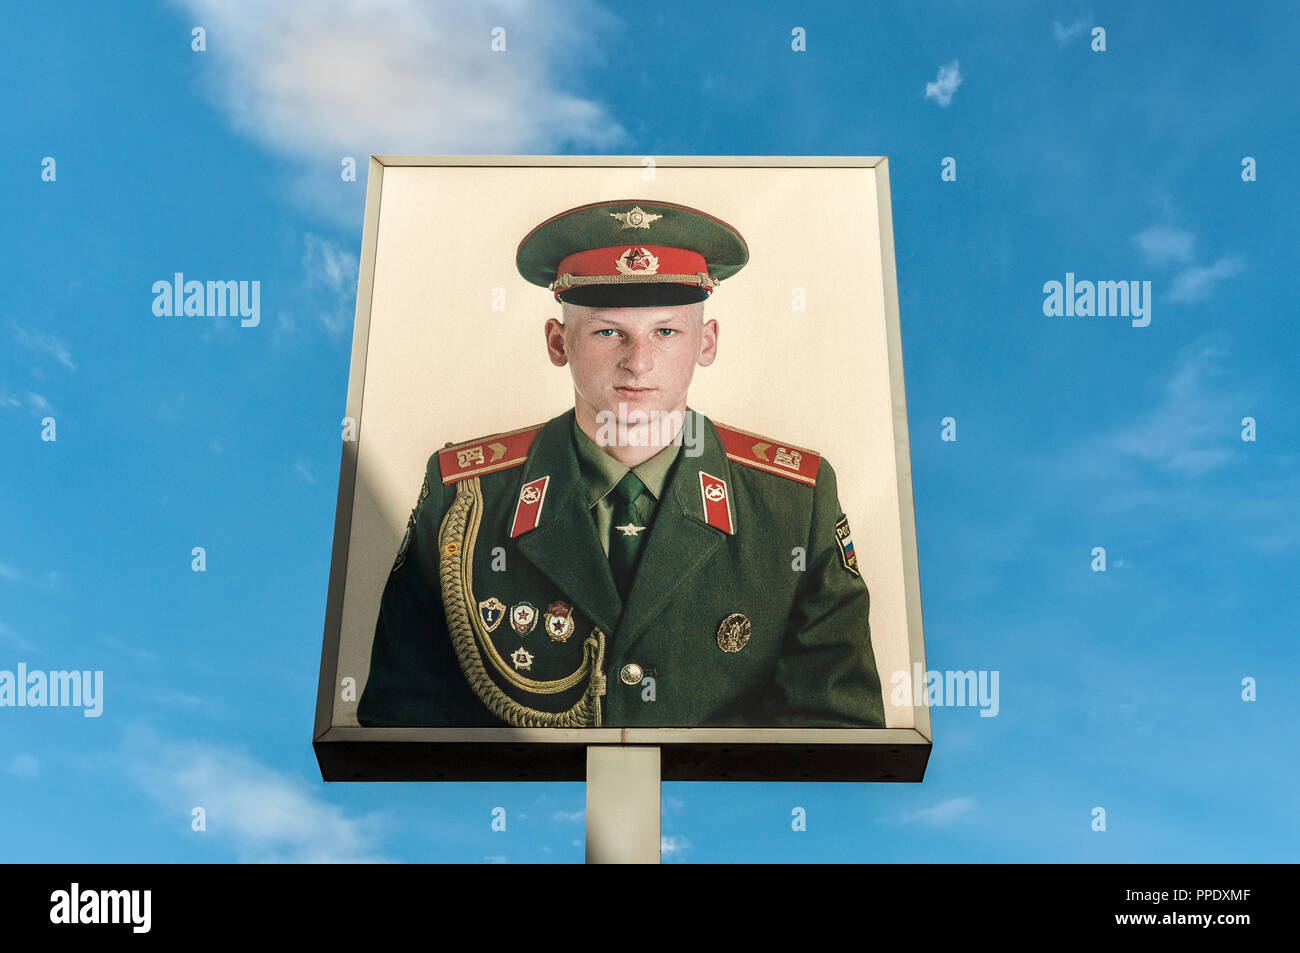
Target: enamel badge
845 541
529 508
559 621
522 658
733 633
717 508
523 617
491 610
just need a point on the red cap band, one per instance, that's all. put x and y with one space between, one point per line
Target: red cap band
634 260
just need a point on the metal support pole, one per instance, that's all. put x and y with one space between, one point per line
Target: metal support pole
622 804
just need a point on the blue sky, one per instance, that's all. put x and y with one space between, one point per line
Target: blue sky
1119 689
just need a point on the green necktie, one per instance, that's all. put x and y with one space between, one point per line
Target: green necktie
626 532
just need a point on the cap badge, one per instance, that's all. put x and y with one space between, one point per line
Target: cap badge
635 218
637 261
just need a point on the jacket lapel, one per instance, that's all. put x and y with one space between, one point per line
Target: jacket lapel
564 544
681 539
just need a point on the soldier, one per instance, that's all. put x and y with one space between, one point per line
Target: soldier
629 562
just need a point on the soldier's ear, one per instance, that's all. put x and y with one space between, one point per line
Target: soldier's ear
555 344
708 343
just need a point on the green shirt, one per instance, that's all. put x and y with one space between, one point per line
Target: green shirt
601 473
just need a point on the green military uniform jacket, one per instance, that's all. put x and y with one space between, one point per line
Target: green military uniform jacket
747 607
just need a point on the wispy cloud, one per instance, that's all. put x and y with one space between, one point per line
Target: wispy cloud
25 767
1197 284
266 815
671 845
11 636
330 272
300 468
48 344
945 85
1064 34
1164 246
569 817
10 573
1190 428
944 813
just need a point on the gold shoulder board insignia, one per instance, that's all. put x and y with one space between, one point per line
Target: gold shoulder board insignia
501 451
763 453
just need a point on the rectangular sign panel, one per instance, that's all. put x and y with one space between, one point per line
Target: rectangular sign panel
625 461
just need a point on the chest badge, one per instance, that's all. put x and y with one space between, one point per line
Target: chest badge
717 507
522 658
733 633
559 621
491 611
523 617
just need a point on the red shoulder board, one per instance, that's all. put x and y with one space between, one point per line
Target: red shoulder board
486 455
763 453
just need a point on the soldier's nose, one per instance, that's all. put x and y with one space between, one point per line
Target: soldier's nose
637 357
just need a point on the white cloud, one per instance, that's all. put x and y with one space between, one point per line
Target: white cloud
670 845
941 814
10 573
38 403
1196 284
10 635
1162 245
330 276
945 85
24 767
496 859
569 817
266 815
48 343
402 76
301 469
1064 34
1190 428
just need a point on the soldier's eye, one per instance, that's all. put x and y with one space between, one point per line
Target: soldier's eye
669 331
606 332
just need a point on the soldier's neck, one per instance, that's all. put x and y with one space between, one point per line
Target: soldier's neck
630 443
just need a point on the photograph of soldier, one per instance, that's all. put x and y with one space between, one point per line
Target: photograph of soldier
629 562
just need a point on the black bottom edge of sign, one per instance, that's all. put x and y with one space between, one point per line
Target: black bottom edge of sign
467 761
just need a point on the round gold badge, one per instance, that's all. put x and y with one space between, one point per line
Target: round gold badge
631 674
451 549
733 633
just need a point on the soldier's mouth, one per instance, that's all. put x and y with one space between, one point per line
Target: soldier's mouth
635 391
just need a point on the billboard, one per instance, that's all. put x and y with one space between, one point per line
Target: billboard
625 461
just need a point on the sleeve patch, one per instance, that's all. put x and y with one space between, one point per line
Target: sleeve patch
845 541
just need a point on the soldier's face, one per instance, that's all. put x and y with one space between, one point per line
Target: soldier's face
642 358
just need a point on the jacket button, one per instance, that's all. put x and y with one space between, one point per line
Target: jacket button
631 674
